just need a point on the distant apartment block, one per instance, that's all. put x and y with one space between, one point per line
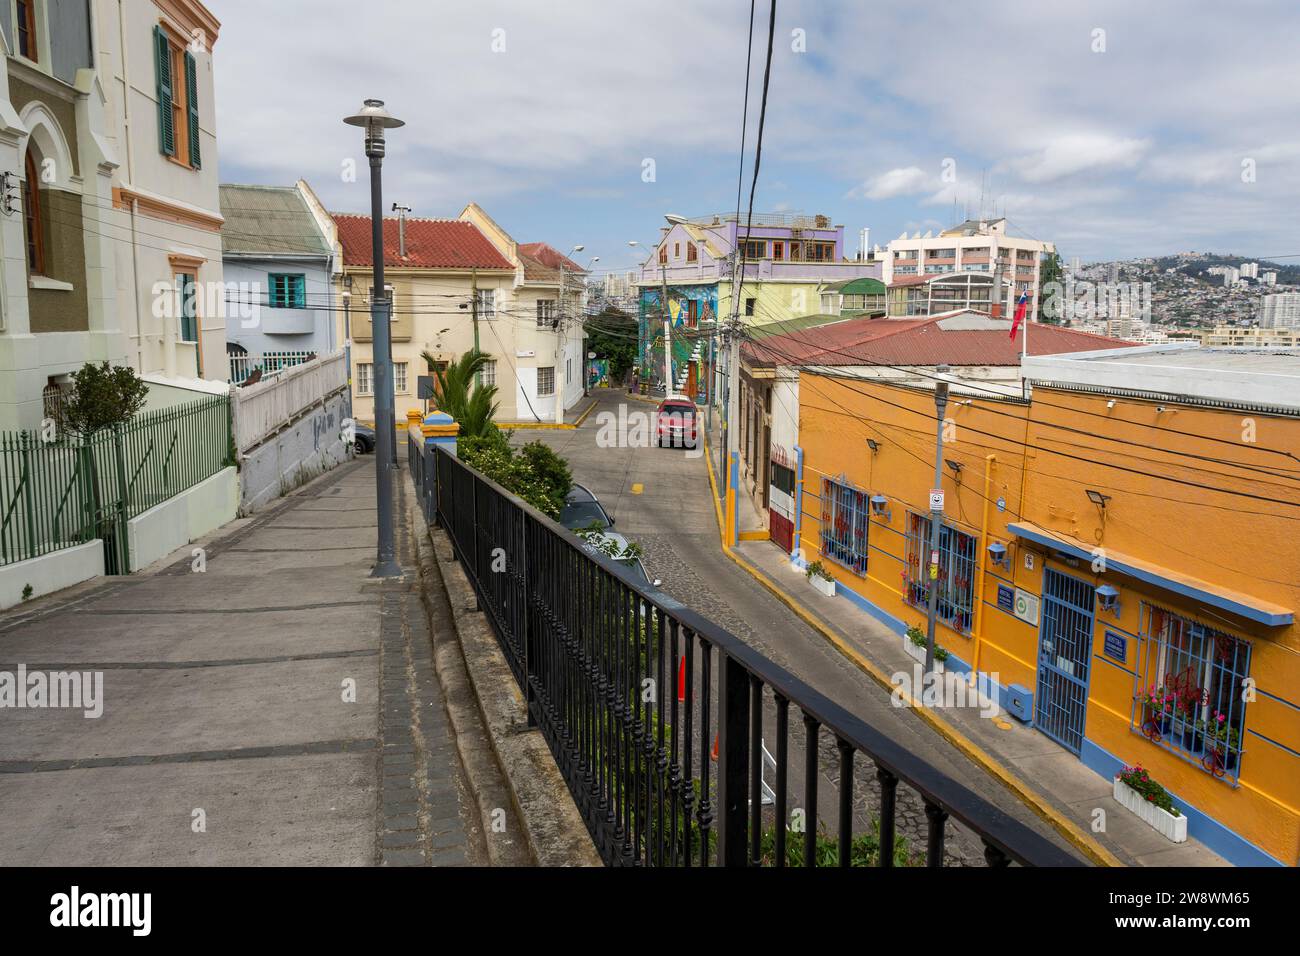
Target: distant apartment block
1280 310
1250 337
976 245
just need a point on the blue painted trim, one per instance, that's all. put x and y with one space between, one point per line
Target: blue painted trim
1278 744
1209 831
1114 663
1168 584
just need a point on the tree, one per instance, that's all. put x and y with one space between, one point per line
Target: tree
103 396
1050 294
612 335
459 391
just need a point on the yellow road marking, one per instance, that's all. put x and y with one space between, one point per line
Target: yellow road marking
638 488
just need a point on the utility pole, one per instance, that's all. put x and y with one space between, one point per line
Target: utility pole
668 335
936 512
375 119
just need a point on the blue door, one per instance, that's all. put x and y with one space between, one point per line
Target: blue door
1064 654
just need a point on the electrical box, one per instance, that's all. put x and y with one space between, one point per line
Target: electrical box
1020 703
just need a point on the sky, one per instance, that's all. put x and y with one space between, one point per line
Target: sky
1114 129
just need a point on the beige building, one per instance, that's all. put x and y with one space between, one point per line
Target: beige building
977 245
457 283
1251 337
109 239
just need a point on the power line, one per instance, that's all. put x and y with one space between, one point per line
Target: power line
975 386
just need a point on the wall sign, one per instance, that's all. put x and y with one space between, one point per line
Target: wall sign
1026 607
1006 599
936 499
1029 560
1116 646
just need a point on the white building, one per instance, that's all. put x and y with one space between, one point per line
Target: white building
977 245
1281 310
112 236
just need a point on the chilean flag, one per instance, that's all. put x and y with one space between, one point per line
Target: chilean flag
1020 313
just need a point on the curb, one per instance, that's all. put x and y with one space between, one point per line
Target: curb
566 426
553 829
1027 795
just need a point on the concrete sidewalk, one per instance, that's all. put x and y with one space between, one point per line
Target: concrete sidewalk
277 706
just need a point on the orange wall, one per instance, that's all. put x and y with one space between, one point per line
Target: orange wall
1041 472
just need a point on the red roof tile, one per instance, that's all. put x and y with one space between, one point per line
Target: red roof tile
922 342
542 262
430 244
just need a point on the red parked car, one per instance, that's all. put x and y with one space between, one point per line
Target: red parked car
676 423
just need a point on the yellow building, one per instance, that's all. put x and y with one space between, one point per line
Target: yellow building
1132 526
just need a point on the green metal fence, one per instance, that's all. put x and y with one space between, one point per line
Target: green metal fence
65 491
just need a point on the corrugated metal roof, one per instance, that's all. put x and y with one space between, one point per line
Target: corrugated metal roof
956 338
268 219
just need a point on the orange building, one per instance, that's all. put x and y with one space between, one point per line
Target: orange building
1130 528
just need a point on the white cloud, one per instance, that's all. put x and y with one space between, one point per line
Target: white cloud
1074 153
895 182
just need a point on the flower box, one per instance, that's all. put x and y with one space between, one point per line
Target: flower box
917 653
825 585
1170 827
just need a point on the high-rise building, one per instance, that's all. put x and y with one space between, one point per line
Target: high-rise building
1249 270
1281 310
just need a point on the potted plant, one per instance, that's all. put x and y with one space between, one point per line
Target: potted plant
1158 705
1138 793
914 644
820 578
1185 709
1222 738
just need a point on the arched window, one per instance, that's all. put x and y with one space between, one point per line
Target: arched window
33 219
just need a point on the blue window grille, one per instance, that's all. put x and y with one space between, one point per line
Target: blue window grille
288 291
1190 690
956 571
846 516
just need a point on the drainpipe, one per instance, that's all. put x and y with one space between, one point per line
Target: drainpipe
977 625
130 178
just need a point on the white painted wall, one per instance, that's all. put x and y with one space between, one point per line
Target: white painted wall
184 518
51 572
309 447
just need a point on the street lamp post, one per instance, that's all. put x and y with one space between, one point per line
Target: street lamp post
936 513
374 119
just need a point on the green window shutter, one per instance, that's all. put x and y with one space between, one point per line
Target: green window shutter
189 309
300 292
163 66
192 95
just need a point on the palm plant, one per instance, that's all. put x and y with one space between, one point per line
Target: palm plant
458 391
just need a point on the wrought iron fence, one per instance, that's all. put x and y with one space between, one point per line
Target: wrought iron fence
61 490
659 719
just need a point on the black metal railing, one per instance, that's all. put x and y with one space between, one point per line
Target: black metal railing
657 717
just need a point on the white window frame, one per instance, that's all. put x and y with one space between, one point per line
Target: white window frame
551 391
366 379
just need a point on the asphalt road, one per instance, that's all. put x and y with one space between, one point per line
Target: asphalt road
661 499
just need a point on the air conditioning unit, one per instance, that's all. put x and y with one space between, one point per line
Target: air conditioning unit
1020 703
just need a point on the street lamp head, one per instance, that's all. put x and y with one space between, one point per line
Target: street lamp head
633 242
374 119
576 249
